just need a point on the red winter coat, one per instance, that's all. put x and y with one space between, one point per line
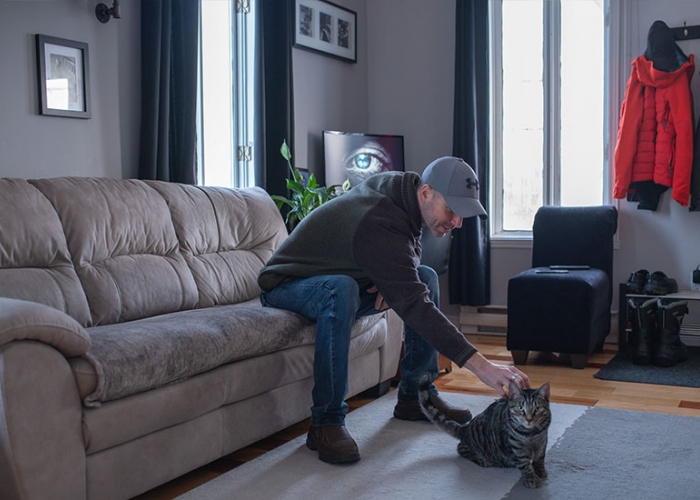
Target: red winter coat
655 140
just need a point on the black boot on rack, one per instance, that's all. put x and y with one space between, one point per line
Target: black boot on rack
644 331
670 349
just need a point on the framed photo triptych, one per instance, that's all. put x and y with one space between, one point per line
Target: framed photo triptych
326 28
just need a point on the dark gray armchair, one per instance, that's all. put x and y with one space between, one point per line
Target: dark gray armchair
565 312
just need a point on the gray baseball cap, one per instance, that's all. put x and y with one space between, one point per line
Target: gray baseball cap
457 183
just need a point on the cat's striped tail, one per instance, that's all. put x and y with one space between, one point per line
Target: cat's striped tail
434 414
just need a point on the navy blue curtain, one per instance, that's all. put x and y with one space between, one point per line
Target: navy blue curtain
169 48
470 263
274 98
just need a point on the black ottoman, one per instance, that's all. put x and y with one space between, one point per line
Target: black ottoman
564 312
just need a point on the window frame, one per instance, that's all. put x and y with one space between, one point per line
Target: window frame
240 46
613 92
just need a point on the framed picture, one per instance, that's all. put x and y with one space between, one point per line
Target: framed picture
64 84
354 156
326 28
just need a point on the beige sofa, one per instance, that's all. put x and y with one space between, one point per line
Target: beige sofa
133 346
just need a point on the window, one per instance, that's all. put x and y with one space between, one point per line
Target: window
550 133
225 107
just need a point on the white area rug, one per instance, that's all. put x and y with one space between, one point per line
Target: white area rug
400 460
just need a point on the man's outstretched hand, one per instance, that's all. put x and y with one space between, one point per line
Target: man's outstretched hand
497 376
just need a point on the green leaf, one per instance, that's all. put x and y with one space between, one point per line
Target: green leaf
304 197
311 183
286 153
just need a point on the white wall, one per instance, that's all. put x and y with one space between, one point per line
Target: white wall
412 96
33 145
329 94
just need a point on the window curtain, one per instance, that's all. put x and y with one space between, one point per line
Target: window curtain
470 266
274 98
169 47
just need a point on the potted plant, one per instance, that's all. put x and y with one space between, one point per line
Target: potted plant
305 195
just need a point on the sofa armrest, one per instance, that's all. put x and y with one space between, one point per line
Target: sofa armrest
24 320
42 448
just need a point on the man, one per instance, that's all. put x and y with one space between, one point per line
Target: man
359 254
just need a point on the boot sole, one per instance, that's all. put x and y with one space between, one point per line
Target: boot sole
666 362
659 290
347 458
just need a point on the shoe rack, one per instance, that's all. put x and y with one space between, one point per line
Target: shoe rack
623 317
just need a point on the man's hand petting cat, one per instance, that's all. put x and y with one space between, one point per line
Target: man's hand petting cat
496 376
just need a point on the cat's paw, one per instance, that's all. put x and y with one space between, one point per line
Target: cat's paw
532 482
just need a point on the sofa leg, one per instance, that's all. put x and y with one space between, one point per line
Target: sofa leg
578 361
378 390
519 357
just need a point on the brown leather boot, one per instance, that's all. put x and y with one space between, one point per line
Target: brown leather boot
410 410
334 444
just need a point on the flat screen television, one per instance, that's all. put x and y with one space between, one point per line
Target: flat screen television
356 156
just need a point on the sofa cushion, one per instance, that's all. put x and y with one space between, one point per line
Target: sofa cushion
123 247
34 261
224 246
146 412
140 355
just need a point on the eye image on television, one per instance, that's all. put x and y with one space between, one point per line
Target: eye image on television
356 156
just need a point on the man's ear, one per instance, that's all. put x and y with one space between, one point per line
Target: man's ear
425 192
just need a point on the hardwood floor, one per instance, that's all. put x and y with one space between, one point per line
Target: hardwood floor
568 386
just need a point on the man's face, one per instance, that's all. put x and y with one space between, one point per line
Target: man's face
437 216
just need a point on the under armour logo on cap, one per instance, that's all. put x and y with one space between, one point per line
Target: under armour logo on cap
454 180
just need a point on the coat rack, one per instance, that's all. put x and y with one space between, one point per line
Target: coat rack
686 32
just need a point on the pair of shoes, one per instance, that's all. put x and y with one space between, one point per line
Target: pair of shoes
410 410
656 283
334 444
660 284
656 326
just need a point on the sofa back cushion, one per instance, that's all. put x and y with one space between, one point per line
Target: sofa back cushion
123 247
226 236
34 261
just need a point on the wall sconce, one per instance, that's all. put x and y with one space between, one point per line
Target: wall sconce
103 12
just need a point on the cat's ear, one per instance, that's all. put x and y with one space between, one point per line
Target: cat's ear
544 390
513 390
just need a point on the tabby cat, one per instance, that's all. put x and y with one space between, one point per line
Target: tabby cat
511 432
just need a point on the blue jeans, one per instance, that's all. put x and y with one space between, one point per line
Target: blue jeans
334 302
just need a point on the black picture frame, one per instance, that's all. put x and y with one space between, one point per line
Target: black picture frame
326 28
63 77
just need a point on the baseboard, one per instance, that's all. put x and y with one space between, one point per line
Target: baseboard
493 320
487 320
